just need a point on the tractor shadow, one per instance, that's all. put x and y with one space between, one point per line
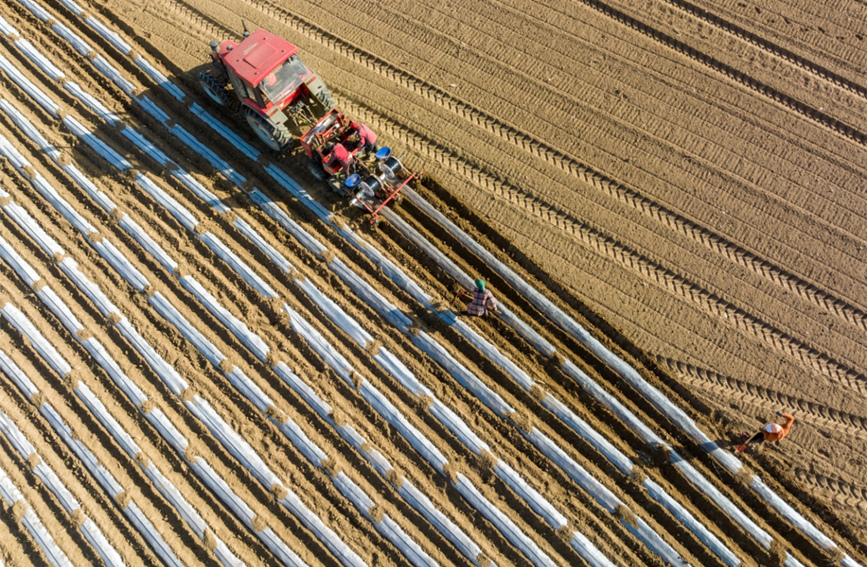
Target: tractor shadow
114 148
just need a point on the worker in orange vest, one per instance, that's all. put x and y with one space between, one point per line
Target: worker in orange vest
770 432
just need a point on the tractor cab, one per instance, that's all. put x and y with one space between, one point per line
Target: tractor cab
279 95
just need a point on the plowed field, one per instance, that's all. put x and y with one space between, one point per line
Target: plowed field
207 357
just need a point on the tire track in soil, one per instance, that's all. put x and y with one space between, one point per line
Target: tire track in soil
610 247
482 53
820 414
770 47
744 258
804 289
809 112
829 31
847 493
622 194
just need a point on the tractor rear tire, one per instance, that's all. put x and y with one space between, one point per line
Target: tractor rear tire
276 137
326 99
215 88
316 170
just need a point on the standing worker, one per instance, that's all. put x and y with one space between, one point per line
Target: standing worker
770 432
366 139
483 301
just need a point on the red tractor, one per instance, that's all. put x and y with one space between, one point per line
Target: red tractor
278 93
284 101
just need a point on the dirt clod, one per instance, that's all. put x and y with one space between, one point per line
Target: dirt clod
279 491
33 460
78 518
147 406
394 477
258 523
624 513
376 513
123 498
19 508
209 541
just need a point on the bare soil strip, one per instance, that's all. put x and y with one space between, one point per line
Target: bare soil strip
518 175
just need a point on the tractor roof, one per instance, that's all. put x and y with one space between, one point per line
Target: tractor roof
259 54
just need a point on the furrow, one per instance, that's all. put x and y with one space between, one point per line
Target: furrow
621 193
823 415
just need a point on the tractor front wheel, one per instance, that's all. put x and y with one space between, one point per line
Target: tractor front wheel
215 88
276 137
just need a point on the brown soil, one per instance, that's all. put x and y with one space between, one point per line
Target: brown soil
686 178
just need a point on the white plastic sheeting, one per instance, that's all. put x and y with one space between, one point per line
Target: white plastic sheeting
603 496
629 374
654 441
466 378
502 522
235 445
49 478
114 428
251 460
551 403
105 479
541 506
101 356
11 495
237 141
28 87
233 442
59 364
159 78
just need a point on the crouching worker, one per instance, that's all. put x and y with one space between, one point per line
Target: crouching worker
340 157
770 432
483 301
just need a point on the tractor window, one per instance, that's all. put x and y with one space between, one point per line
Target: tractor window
284 80
243 89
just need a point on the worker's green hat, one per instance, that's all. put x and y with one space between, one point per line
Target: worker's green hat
480 283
